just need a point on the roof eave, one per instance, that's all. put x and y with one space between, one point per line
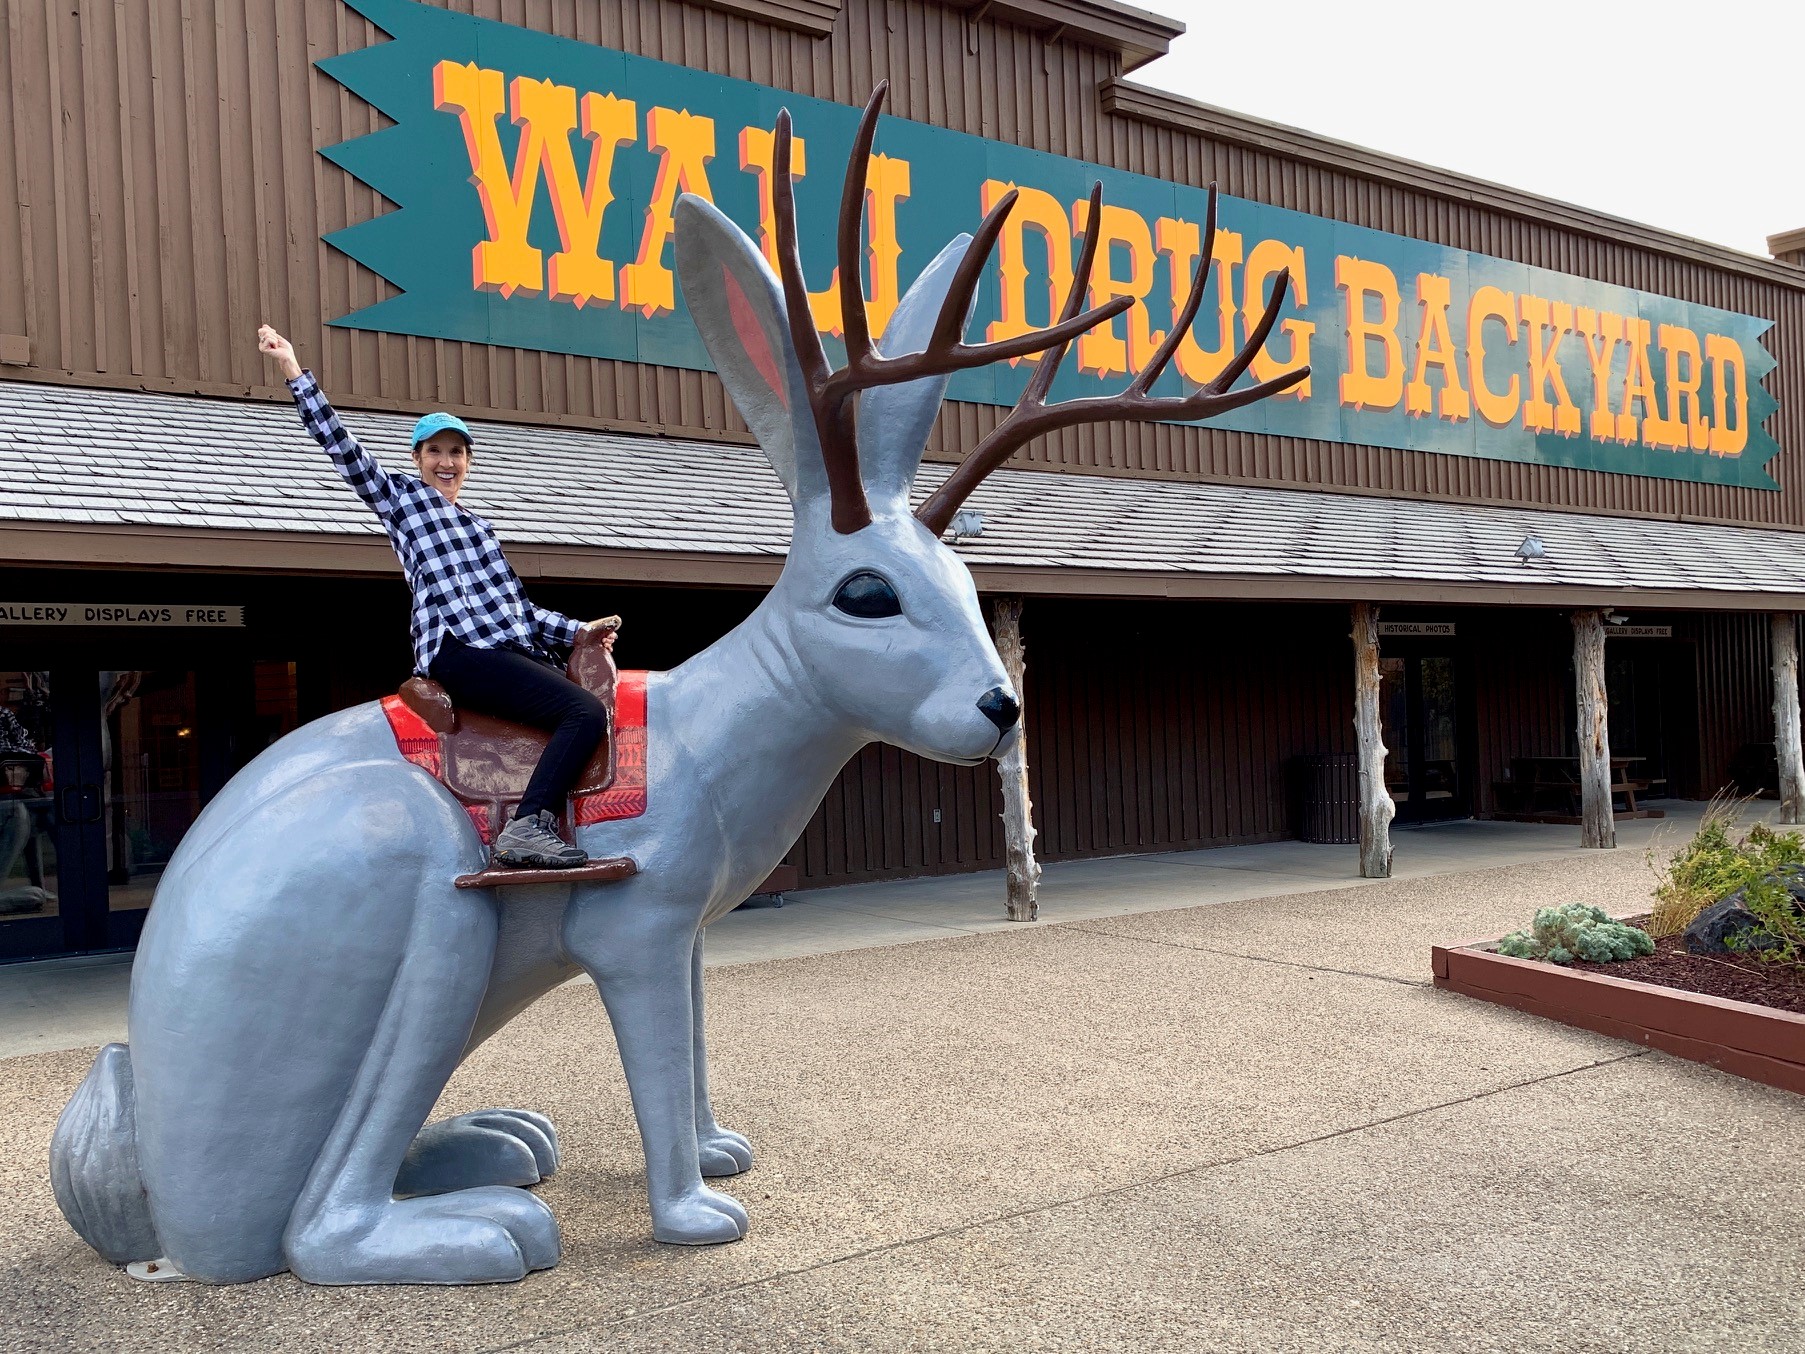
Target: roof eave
54 545
1136 35
816 18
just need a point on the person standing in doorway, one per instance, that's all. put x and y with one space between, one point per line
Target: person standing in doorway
474 630
21 782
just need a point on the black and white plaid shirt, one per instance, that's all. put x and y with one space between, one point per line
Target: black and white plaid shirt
463 585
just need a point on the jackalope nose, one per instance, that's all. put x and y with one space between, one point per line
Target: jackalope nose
999 708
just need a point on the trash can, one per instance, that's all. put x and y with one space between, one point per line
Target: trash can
1326 797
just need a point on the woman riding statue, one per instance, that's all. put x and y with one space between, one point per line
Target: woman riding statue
474 630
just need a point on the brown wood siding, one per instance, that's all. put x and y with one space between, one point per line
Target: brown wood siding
168 197
1151 727
876 821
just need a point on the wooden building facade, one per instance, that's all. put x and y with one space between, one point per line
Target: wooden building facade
170 194
169 198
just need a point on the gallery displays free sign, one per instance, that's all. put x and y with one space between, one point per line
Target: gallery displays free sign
536 178
108 614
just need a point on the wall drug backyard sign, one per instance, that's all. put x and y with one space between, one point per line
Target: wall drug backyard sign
535 178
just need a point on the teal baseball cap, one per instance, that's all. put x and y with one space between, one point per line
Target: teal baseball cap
439 423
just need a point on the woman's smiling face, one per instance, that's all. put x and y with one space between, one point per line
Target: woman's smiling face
443 460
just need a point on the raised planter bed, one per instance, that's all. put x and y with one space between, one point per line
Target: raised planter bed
1752 1041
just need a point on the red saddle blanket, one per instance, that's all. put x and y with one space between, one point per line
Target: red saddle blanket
624 797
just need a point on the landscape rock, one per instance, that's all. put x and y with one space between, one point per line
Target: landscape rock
1712 930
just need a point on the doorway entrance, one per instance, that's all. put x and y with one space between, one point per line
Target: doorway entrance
1420 712
1652 686
102 771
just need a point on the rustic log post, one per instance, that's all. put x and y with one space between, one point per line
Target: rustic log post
1012 767
1376 808
1598 825
1786 718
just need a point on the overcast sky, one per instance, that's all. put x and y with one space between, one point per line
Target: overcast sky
1685 117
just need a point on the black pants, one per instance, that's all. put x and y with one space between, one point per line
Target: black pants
512 685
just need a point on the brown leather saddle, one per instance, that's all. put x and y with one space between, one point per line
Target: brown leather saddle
488 761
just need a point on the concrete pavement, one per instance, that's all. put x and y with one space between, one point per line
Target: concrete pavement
1249 1125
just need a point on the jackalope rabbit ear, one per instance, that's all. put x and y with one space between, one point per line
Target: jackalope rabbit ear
737 304
894 421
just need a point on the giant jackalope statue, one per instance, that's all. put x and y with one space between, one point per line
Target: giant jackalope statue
304 990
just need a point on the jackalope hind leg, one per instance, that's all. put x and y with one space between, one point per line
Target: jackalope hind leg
489 1147
347 1227
641 967
723 1152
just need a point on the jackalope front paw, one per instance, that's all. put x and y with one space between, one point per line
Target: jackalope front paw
724 1152
492 1235
704 1217
490 1147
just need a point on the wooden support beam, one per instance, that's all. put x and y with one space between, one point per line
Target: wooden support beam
1786 718
1376 808
1597 824
1022 900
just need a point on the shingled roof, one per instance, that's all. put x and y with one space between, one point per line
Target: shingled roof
106 461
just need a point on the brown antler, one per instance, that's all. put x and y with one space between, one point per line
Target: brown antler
1033 416
831 392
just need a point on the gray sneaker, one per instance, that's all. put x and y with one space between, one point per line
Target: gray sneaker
533 843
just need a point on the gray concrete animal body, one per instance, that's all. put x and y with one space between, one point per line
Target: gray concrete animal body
309 978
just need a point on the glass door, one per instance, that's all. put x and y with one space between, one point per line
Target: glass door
101 774
1419 706
48 887
32 843
150 784
1395 726
1438 773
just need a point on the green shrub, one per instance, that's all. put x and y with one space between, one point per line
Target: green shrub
1716 863
1562 934
1781 937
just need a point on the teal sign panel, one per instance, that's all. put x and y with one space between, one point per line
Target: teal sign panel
534 176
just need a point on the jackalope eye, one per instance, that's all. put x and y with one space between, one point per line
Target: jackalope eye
865 594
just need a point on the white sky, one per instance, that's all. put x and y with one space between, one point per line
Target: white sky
1687 117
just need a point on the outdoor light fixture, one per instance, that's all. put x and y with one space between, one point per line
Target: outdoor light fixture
1532 549
966 523
1615 618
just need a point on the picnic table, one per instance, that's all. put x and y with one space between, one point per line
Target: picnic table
1536 778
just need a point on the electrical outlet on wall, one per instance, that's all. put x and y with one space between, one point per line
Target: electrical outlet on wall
936 815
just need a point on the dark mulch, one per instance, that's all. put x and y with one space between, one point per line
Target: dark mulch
1733 976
